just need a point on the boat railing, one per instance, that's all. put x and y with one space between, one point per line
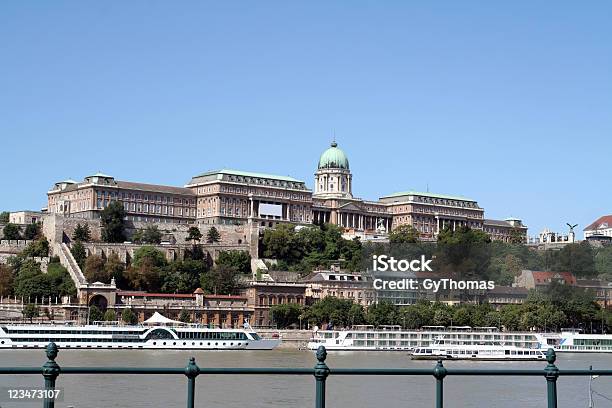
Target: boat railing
321 371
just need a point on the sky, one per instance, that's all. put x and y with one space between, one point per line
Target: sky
508 103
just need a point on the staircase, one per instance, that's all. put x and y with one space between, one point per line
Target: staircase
68 261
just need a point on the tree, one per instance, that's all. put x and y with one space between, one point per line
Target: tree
183 276
110 315
150 235
286 315
31 283
38 248
112 217
78 253
404 234
30 311
128 316
95 270
11 232
95 314
146 270
4 217
382 313
330 311
239 260
194 234
6 280
114 268
82 233
213 235
221 280
356 315
32 231
184 316
60 279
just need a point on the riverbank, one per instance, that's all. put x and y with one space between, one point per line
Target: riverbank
291 339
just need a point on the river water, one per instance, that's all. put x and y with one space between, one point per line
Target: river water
233 391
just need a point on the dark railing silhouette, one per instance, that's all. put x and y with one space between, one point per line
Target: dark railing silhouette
51 370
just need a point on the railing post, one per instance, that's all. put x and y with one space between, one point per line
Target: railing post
321 371
439 373
551 374
191 371
50 371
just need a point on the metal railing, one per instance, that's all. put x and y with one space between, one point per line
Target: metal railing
51 370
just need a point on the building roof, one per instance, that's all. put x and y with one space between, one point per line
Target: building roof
541 277
432 195
600 223
249 174
156 188
333 158
499 223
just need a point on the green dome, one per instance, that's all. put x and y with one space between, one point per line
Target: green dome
333 158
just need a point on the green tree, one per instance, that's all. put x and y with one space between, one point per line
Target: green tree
129 317
95 314
38 248
115 268
221 280
32 231
60 280
184 316
95 270
112 218
77 249
382 313
213 235
6 280
82 233
239 260
183 276
150 235
110 315
4 217
31 283
356 315
194 235
30 311
330 311
286 315
11 232
146 270
404 234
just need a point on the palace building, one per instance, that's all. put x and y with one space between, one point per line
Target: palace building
234 197
239 197
142 202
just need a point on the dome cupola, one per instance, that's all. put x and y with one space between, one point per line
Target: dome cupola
333 158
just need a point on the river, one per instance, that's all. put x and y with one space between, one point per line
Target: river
296 391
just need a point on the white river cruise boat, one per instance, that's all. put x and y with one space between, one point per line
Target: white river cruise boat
393 338
573 341
492 351
155 335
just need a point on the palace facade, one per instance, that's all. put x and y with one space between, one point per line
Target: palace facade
239 197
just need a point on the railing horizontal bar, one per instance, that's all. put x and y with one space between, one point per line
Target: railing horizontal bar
585 372
298 371
20 370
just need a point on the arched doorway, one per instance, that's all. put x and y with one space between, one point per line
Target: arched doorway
99 301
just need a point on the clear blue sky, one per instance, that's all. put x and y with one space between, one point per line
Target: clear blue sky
509 103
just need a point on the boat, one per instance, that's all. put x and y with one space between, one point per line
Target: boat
442 349
574 341
394 338
156 333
